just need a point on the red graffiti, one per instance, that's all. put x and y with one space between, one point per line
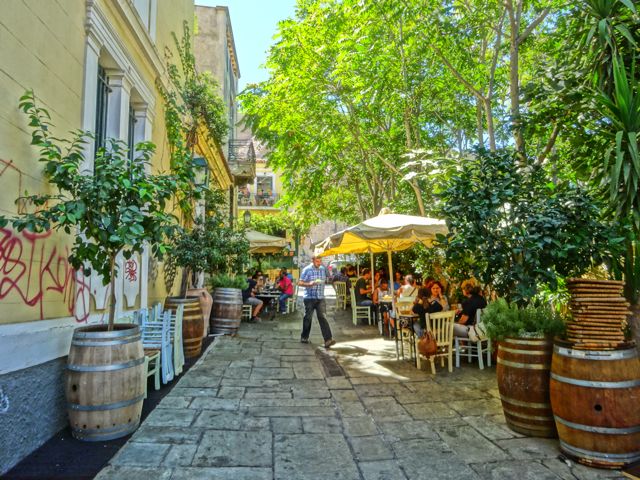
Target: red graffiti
30 267
130 270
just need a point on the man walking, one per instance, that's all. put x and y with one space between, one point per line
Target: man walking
314 278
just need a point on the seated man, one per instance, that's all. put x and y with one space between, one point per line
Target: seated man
249 298
363 290
382 301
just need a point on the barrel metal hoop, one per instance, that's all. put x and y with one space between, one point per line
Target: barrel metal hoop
593 429
528 417
105 406
596 355
589 454
104 434
524 352
106 368
594 384
113 334
522 341
520 403
532 426
110 343
528 366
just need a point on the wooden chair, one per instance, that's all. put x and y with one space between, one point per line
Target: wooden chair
441 325
473 349
292 302
175 331
156 339
358 312
246 312
151 358
404 325
341 294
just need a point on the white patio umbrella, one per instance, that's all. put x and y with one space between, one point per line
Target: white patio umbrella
262 243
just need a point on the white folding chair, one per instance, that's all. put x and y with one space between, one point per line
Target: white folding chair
441 326
156 337
292 301
474 349
359 312
175 331
341 294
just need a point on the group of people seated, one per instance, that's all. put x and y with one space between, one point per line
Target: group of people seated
412 297
259 283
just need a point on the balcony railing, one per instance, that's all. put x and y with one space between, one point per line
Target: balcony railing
242 160
257 200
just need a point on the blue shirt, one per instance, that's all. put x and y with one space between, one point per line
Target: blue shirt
311 273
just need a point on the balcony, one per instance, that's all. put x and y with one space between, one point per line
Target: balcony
257 200
242 161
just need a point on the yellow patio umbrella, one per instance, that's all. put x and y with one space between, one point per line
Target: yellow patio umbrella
262 243
388 232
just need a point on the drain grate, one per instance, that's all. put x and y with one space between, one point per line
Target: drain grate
329 364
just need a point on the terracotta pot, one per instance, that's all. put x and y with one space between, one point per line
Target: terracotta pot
206 302
192 324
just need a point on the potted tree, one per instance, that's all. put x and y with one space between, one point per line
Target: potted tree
525 336
119 207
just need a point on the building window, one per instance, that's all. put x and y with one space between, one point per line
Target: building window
131 128
102 101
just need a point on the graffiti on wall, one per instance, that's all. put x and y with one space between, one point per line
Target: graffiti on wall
32 266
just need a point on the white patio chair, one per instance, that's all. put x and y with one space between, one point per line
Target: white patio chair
359 312
441 326
341 294
473 349
292 302
156 337
175 330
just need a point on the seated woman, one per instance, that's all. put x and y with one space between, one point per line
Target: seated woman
285 286
432 300
466 317
406 296
382 306
249 298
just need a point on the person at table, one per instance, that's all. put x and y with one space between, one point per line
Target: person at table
363 290
473 302
409 289
341 276
431 300
259 279
382 301
314 278
285 286
398 282
249 298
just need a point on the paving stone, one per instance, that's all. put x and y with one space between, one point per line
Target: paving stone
385 409
225 473
308 371
174 435
529 470
192 392
339 383
271 373
196 379
230 392
286 402
436 464
351 409
116 472
371 448
246 382
206 403
432 410
396 431
180 456
141 454
364 380
310 392
237 373
477 407
470 446
570 470
384 470
417 448
171 417
221 448
175 402
345 395
268 393
291 411
359 426
530 448
225 420
493 427
247 363
286 424
321 425
313 456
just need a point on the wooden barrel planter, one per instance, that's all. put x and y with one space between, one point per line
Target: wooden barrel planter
523 367
595 396
105 382
192 323
227 311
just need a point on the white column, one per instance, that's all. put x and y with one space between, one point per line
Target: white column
90 93
118 107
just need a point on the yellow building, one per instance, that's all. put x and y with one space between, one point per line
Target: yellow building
93 65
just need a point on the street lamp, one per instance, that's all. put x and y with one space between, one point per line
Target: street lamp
247 218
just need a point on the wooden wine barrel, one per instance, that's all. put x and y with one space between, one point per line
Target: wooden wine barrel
595 396
105 382
523 366
206 302
192 323
227 310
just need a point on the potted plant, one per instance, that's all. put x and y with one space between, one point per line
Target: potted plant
227 306
525 336
119 207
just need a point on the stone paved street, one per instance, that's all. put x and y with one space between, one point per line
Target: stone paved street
261 405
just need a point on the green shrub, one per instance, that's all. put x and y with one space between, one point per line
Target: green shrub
502 319
228 281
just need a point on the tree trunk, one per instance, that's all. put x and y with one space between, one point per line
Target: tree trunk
112 294
479 122
490 128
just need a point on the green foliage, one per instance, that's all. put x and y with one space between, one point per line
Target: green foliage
223 280
119 207
502 319
283 221
191 102
516 229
